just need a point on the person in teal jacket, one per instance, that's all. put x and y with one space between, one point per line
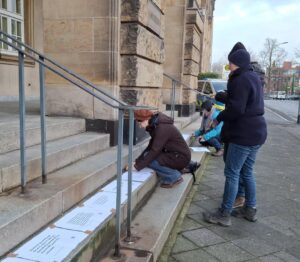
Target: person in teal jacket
208 136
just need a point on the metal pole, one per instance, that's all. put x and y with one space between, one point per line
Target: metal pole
43 121
298 119
119 181
129 214
173 98
22 111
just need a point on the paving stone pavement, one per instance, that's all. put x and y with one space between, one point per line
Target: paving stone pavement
276 234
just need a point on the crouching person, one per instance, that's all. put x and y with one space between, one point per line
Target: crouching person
167 152
207 135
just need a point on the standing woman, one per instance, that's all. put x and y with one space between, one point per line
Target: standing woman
247 131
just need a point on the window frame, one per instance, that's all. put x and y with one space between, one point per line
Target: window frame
12 16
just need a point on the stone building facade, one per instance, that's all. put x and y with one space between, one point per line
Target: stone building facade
123 46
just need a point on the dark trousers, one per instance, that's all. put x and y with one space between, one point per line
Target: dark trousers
214 141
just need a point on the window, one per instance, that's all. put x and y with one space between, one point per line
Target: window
11 22
207 89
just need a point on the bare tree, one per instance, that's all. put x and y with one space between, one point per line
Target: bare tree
297 54
271 56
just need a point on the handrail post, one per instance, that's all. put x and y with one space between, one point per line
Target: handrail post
43 122
22 111
130 160
119 183
173 98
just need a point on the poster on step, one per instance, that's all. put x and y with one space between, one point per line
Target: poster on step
103 202
200 149
139 176
52 244
83 219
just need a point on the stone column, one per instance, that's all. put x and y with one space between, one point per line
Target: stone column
192 54
206 51
142 52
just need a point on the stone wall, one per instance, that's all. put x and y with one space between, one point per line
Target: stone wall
85 38
142 52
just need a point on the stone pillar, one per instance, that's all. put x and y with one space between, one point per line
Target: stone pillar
142 52
84 37
183 45
194 32
207 37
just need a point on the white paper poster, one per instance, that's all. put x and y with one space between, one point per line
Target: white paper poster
102 201
83 219
199 149
112 187
139 176
14 259
186 137
52 244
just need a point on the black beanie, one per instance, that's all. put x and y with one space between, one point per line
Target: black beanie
240 58
207 105
236 47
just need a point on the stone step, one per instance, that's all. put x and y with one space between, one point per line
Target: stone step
153 223
22 216
182 122
57 127
65 188
169 113
60 153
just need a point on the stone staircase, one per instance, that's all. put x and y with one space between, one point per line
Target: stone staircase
79 164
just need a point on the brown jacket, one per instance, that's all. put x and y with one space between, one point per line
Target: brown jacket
167 145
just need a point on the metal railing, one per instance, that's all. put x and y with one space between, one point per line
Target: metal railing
70 76
173 91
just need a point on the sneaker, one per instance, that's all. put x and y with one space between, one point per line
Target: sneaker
219 152
178 181
248 213
219 217
239 202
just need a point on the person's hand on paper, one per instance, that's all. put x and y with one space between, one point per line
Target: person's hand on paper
133 167
201 139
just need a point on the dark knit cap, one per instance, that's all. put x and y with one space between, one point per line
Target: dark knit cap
143 114
240 58
236 47
221 97
207 105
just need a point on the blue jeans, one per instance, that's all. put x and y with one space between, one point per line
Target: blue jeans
214 141
167 174
241 190
239 163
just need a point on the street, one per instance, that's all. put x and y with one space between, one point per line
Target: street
287 108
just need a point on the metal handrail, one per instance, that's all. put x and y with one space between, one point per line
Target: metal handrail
174 82
122 106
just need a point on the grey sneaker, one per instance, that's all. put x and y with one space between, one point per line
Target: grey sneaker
248 213
219 217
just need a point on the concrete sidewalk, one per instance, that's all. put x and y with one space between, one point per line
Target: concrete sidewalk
276 234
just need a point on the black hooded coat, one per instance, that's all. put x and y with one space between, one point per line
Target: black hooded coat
167 145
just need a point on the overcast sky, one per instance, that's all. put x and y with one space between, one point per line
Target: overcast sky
252 21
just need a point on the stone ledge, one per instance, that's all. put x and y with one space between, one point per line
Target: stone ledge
137 72
137 40
193 17
145 12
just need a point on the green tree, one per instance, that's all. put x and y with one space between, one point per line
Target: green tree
206 75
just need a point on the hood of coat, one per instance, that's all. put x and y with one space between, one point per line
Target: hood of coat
158 119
